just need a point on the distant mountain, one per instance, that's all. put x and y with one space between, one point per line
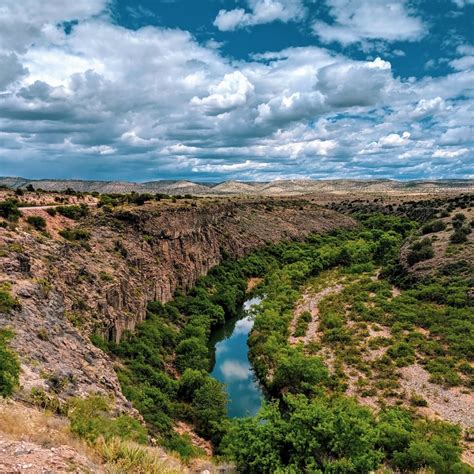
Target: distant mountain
273 188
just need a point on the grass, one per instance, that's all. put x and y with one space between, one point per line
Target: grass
114 455
7 302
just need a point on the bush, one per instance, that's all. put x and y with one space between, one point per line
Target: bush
52 211
90 419
9 210
73 212
320 435
9 365
458 220
431 227
209 408
192 353
37 222
419 251
459 236
418 401
302 324
75 235
7 302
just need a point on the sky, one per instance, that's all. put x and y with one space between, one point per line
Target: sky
251 90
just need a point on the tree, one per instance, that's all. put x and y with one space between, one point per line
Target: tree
209 407
192 353
297 373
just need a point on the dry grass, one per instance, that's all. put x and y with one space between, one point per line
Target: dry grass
38 426
21 423
125 456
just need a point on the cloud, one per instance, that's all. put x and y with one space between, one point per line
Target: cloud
230 93
261 12
10 70
104 101
463 3
457 136
234 370
450 153
356 21
350 84
427 107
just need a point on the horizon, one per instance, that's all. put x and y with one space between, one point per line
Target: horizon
236 180
237 90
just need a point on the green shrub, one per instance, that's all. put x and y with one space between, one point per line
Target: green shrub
9 210
9 365
37 222
7 302
459 236
75 235
90 419
73 212
431 227
419 251
52 211
302 324
418 401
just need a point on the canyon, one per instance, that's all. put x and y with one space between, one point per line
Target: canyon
68 291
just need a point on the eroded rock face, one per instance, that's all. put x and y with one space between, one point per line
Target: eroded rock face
68 292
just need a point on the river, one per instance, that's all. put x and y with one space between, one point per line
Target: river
232 366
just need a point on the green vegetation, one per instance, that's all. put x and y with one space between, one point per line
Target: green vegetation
75 235
419 251
335 434
302 324
434 226
9 210
73 212
90 419
7 301
37 222
9 365
309 425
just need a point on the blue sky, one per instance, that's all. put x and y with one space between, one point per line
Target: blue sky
211 90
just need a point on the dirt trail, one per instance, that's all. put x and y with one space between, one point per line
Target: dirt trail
310 302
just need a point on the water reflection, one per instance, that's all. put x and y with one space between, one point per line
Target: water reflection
232 366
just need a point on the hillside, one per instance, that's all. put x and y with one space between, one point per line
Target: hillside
108 304
274 188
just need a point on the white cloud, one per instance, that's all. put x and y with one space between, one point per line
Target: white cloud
450 153
262 11
233 370
350 84
426 107
233 91
108 102
366 20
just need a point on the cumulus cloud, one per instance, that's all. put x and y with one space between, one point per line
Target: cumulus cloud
427 107
357 21
230 93
104 101
349 84
261 12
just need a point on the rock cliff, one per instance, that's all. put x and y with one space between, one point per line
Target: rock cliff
70 290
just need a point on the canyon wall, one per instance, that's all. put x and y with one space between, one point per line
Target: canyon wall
68 291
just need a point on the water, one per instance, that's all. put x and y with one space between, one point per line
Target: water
232 366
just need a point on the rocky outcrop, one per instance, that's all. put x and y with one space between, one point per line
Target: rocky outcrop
69 291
